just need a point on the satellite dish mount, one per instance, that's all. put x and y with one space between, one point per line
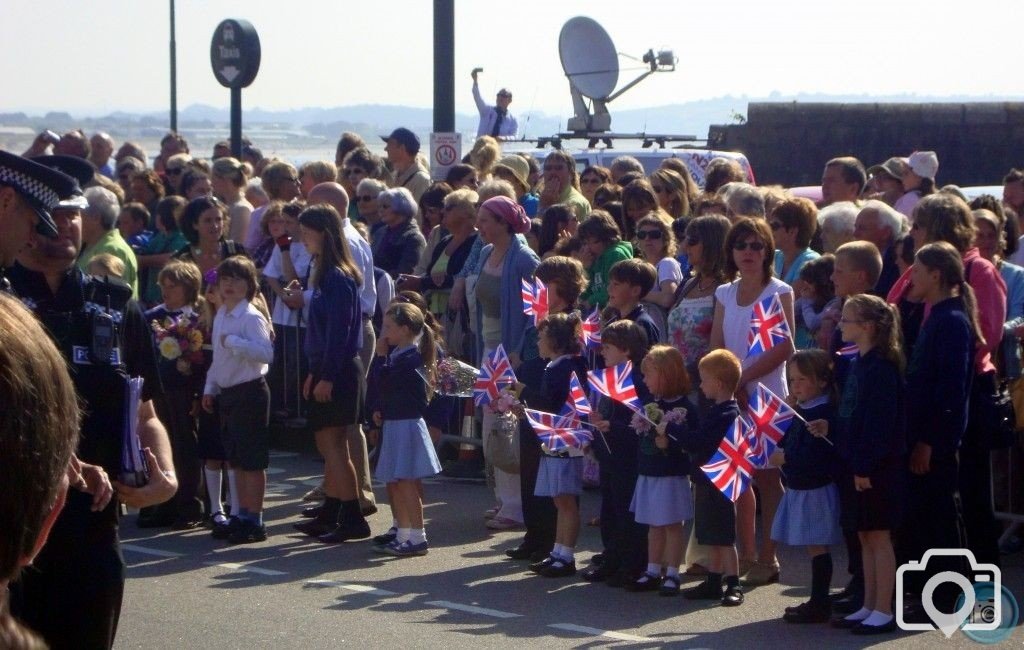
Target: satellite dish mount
591 63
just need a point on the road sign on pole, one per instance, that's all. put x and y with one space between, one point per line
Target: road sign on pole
235 58
445 151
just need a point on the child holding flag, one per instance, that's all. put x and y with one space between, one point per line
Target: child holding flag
809 512
560 473
714 513
662 498
615 445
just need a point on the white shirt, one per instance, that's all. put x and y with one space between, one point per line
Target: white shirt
282 313
509 128
242 348
669 269
736 327
363 257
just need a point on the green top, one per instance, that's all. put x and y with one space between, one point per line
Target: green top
579 204
597 290
113 243
162 242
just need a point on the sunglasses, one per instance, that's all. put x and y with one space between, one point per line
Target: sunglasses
755 246
366 198
644 234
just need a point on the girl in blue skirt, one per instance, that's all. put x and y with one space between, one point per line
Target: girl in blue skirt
407 452
808 514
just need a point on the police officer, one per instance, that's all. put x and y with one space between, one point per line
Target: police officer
73 595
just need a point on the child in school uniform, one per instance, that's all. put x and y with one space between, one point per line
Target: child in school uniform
242 351
628 282
616 447
662 498
870 441
560 473
714 514
808 514
407 452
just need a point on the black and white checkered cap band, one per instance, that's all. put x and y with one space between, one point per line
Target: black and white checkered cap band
38 191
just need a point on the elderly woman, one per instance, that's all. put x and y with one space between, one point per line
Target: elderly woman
203 224
281 183
837 223
593 177
175 170
793 224
675 193
448 257
944 217
228 180
358 164
505 263
398 244
367 205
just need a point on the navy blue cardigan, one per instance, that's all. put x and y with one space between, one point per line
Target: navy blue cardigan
622 440
939 379
403 391
810 461
334 332
870 422
703 440
673 460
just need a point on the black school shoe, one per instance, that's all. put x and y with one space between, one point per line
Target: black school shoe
559 568
521 552
224 530
866 630
386 538
596 573
542 564
733 596
646 582
808 612
248 533
704 591
312 511
346 532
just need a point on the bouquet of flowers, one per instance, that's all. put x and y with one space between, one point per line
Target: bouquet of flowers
455 378
503 436
642 422
506 404
180 340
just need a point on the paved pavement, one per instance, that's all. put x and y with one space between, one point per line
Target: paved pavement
186 590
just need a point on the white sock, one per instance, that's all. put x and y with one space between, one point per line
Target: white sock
672 572
418 535
859 615
556 550
877 618
404 534
653 569
214 485
236 507
568 553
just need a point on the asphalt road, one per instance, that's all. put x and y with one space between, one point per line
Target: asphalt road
186 590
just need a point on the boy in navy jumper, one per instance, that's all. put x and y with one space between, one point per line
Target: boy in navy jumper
628 282
714 513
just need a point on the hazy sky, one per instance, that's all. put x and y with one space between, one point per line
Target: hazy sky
91 57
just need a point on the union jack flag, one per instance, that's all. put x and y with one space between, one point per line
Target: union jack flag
577 400
591 329
847 351
556 432
768 326
535 300
770 418
616 383
730 469
495 371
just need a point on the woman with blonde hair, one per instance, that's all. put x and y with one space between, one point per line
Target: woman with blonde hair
676 194
484 155
228 180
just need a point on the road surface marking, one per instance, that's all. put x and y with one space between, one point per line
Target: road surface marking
447 604
236 566
150 551
361 589
593 631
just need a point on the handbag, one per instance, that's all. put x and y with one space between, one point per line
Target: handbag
992 422
503 443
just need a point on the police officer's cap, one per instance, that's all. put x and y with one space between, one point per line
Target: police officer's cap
43 187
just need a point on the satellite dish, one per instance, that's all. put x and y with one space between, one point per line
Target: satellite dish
591 63
588 57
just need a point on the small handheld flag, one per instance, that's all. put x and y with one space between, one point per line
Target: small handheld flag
557 432
770 417
847 351
616 383
731 469
591 329
768 326
494 372
535 299
577 399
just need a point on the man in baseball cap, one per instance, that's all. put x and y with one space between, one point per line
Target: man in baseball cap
401 149
28 192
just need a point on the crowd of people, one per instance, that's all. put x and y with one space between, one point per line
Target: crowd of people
328 294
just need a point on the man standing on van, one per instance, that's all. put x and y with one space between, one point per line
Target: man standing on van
496 120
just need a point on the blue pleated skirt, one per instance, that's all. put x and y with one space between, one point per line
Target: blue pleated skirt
662 500
406 451
808 517
557 476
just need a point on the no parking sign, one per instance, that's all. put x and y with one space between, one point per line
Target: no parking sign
445 151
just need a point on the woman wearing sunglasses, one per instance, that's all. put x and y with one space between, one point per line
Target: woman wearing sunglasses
657 247
750 249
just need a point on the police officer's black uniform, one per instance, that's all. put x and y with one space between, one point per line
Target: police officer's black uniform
72 593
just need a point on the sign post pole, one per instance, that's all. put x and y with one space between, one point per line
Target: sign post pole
235 58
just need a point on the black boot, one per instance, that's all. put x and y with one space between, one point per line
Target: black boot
324 522
351 525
